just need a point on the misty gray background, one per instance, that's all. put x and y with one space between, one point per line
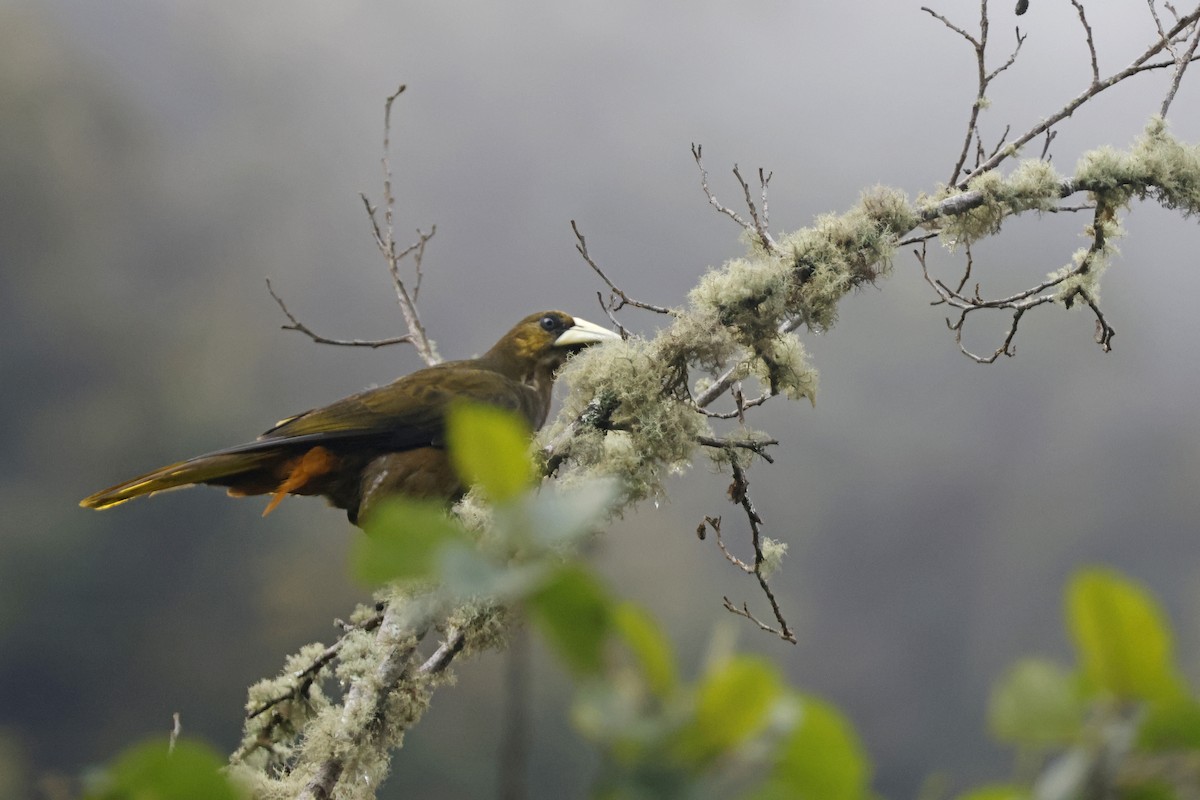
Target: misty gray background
158 160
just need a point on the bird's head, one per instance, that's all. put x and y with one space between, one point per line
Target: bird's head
543 341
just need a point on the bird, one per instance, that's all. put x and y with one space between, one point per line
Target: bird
389 440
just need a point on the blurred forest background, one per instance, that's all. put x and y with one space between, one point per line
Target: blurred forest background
159 160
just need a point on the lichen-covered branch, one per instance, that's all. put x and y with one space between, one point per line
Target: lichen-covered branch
309 746
638 409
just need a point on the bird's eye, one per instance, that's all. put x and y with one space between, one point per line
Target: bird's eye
549 323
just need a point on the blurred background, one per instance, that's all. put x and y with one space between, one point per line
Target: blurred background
159 160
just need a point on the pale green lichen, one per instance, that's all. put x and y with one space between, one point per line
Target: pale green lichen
773 552
1158 166
1033 186
635 418
746 297
662 426
484 625
281 725
839 253
782 365
1082 275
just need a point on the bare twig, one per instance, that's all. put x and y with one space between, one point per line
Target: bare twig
744 611
176 730
1181 65
984 79
1045 156
756 446
1025 300
385 240
384 236
451 646
758 223
739 493
738 413
715 524
614 290
1091 43
1139 64
297 325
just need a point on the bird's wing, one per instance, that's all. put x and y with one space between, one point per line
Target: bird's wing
411 411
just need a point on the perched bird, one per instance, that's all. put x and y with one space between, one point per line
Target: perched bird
384 441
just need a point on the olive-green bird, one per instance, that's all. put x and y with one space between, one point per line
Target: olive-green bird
388 440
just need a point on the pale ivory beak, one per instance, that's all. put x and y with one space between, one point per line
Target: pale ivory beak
584 332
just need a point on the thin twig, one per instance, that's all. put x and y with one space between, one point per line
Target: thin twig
1181 66
984 78
297 325
385 240
759 222
756 446
715 524
1025 300
451 646
1091 43
625 299
739 493
1139 64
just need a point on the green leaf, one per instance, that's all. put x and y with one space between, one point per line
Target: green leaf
649 645
465 572
996 791
1171 726
575 614
1123 641
1037 703
489 447
822 759
556 516
403 540
733 704
148 772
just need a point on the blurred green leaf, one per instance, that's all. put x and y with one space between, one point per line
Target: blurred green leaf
575 614
465 572
650 646
490 447
998 791
1037 703
733 703
822 759
403 539
148 772
556 516
1123 642
1171 726
1152 789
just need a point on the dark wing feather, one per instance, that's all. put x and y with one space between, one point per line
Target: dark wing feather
403 415
408 413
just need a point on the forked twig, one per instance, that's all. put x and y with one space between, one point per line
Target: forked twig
297 325
384 236
758 221
618 299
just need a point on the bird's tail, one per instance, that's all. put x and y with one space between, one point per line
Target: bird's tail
244 471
